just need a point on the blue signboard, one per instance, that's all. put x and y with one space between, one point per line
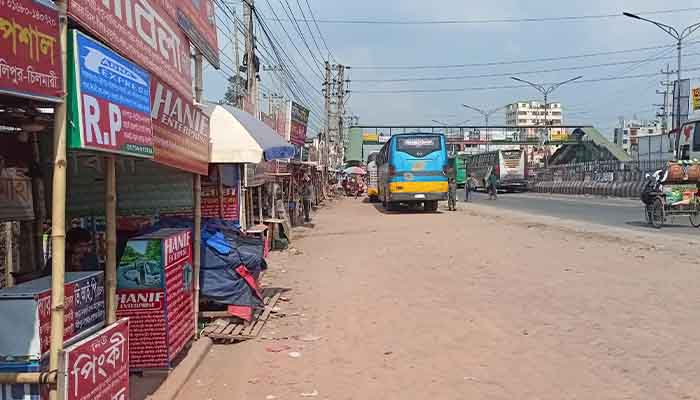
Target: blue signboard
110 100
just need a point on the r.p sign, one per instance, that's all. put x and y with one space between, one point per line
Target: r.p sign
109 101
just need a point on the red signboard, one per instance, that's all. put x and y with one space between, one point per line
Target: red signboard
180 129
198 21
148 333
142 31
97 368
298 122
211 206
30 63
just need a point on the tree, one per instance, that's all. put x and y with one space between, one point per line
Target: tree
153 250
235 91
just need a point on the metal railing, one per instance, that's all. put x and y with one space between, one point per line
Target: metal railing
597 171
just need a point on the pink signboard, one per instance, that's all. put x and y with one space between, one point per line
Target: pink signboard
211 206
298 122
30 64
97 368
142 31
180 130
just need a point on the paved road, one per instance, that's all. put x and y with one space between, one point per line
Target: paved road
623 213
416 306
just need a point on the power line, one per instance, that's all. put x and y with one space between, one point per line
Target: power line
311 33
511 62
541 71
290 14
323 39
367 21
483 88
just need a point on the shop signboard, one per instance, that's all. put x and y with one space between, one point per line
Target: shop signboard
30 54
370 137
154 290
25 313
210 202
109 101
97 367
696 99
299 119
180 130
197 20
143 31
16 195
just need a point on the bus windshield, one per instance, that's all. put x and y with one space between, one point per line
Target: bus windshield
418 146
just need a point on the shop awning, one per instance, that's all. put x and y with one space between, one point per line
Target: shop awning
238 137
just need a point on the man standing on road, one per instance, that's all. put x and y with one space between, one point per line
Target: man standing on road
307 195
492 184
468 188
452 189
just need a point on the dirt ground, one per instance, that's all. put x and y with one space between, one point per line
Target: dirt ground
467 306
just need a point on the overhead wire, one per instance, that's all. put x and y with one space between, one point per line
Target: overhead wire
367 21
320 33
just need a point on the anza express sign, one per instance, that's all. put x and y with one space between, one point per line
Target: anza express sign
30 63
143 31
109 101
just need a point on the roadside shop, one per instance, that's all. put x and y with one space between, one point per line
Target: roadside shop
129 146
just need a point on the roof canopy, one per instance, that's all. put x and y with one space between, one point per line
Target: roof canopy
238 137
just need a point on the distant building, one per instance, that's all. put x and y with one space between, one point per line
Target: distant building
630 130
532 113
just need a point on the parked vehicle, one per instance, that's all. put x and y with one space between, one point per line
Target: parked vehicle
412 169
509 166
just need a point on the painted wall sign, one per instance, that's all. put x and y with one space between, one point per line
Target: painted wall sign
30 63
98 366
180 130
109 101
142 31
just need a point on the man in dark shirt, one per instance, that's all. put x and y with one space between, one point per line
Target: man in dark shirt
79 252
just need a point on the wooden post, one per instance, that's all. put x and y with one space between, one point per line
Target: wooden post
10 257
39 195
220 173
58 210
260 203
196 254
110 175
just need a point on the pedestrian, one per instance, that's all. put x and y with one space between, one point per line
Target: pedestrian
307 195
492 184
452 189
468 189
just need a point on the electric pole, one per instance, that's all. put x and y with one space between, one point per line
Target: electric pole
663 108
251 64
327 96
340 109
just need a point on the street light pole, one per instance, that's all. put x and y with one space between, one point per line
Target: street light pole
486 114
546 91
679 37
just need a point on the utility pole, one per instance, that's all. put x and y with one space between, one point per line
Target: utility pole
237 58
252 83
324 139
663 108
340 109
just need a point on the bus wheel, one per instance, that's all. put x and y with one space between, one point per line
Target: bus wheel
430 206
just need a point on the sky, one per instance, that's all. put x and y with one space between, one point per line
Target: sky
367 48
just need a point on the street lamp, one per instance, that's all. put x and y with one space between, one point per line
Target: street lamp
486 114
546 91
679 46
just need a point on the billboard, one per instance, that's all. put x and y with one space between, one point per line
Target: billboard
696 99
109 100
30 54
180 130
143 31
370 137
299 119
196 18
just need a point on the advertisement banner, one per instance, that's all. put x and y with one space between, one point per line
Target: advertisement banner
142 31
180 130
299 121
97 367
30 56
210 202
197 20
370 137
696 99
109 101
